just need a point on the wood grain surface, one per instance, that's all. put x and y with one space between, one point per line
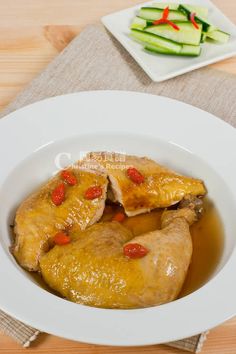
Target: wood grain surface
32 33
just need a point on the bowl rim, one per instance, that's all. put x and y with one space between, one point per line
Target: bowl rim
210 305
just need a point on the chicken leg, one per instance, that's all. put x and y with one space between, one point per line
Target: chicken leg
94 271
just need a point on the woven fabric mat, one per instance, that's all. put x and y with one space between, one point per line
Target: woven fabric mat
95 61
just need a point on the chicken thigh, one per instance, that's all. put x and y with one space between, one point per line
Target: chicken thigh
93 270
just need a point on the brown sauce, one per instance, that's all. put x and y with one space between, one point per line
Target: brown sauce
208 242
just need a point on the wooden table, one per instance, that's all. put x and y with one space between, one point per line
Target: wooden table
32 33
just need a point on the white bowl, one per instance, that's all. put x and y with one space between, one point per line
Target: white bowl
178 135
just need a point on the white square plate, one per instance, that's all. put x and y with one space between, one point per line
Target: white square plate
163 67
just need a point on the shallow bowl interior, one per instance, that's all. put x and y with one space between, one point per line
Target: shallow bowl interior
44 163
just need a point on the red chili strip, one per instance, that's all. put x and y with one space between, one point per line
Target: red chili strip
135 175
58 194
93 192
192 19
69 177
165 13
164 20
159 22
61 239
164 17
135 250
172 24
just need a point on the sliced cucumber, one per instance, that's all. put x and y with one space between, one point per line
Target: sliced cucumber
164 39
199 10
163 5
203 37
187 34
186 50
191 50
149 38
138 23
207 26
159 50
149 13
219 36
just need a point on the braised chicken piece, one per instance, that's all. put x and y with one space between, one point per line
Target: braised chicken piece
106 267
140 184
69 202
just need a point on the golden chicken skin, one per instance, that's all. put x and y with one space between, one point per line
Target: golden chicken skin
69 202
141 184
103 264
107 267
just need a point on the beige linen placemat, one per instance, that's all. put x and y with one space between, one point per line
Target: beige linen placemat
96 61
